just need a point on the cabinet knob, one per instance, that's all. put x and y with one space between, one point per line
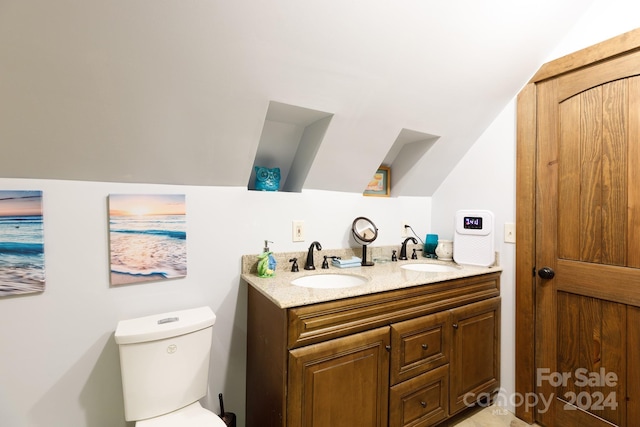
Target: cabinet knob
423 404
425 346
388 347
455 326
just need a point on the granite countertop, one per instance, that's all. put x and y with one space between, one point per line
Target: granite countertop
383 276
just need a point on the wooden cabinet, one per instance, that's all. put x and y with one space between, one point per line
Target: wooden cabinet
341 382
390 359
475 354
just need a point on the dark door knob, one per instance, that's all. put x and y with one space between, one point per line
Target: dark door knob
546 273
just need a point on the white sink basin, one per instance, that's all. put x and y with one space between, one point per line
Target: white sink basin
429 268
330 281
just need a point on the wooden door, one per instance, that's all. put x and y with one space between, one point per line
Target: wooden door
633 360
340 383
587 240
475 353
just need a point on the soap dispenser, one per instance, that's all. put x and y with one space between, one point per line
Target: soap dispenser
266 262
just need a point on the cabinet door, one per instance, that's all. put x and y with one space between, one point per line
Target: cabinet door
475 353
421 401
340 383
419 345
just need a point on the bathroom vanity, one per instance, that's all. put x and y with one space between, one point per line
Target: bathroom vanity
408 348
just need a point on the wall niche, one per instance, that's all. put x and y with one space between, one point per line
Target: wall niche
406 152
290 139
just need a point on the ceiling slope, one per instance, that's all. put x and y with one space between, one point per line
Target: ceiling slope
178 92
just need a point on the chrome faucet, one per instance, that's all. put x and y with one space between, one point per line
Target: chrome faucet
309 264
403 249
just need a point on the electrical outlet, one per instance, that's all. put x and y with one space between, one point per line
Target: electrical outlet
298 231
404 230
509 232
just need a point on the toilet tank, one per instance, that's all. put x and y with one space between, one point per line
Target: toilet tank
164 361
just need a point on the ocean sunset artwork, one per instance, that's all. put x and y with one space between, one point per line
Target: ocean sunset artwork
147 237
21 243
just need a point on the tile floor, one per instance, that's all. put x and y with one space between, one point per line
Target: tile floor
492 416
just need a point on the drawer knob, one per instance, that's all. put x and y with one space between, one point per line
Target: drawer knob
455 326
425 346
423 404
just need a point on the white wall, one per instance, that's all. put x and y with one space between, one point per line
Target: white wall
485 177
59 363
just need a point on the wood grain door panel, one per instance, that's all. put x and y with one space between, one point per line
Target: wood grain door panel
587 231
592 349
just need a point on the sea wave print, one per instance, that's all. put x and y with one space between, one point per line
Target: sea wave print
149 274
181 235
18 220
161 219
13 288
16 248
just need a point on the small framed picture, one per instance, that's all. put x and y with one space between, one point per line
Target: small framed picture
380 184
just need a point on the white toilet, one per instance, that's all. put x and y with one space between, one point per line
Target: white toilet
165 368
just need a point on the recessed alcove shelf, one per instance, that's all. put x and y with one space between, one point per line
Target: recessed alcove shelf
290 139
406 152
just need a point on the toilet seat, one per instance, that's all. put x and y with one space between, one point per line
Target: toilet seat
193 415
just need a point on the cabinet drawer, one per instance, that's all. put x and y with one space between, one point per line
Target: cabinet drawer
419 345
421 401
309 324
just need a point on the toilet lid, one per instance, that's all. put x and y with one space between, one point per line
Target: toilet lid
193 415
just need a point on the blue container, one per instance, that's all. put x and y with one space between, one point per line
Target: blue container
267 179
430 244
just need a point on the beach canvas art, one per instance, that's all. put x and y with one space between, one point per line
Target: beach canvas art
21 243
147 237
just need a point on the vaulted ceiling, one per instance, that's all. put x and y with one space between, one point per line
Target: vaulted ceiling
178 92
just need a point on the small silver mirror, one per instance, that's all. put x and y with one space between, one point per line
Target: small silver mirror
364 232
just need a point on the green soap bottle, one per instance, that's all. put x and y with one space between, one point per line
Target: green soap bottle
266 262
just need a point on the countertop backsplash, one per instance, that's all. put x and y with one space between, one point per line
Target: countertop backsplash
380 253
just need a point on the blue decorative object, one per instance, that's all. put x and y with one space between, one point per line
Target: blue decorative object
267 179
430 244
